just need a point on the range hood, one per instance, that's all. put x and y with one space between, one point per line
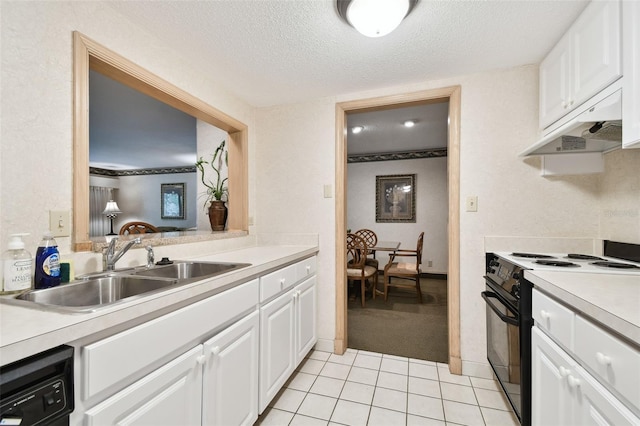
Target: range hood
591 128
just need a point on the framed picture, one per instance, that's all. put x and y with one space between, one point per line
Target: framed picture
172 200
396 198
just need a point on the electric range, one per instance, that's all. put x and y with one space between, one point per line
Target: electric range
508 298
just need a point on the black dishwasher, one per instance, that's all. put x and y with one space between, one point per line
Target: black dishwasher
38 390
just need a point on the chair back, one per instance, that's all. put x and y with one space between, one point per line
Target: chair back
369 237
419 249
137 228
356 251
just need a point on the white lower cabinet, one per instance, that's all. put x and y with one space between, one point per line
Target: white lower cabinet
287 333
170 395
306 314
242 353
230 382
564 393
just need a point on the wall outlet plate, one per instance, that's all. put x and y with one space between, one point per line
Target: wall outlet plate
60 223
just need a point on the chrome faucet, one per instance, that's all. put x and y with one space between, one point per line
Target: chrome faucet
110 256
150 256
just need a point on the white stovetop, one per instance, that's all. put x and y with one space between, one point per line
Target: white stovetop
26 331
611 299
583 265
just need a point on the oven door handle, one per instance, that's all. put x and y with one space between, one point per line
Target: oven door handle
509 320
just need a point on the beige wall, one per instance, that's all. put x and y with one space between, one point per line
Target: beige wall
292 153
36 132
296 149
431 207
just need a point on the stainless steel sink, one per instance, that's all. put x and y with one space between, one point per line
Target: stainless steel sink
102 289
88 295
187 270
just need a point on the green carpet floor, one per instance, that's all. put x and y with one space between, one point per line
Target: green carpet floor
401 326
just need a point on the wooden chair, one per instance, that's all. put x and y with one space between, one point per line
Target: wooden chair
406 271
357 269
138 228
371 239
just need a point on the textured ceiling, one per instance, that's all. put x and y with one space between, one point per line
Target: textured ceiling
271 52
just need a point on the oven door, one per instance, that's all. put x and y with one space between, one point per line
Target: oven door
503 346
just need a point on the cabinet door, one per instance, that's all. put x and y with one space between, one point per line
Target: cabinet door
306 312
597 406
230 380
631 64
596 60
171 395
277 343
551 395
554 83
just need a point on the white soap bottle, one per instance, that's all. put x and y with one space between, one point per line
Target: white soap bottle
17 266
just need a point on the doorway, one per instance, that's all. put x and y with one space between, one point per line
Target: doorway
452 94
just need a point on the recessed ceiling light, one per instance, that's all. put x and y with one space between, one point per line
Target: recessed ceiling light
356 129
409 123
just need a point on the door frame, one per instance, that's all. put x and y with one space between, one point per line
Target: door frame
453 95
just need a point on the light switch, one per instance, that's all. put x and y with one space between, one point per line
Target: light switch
472 203
328 191
59 223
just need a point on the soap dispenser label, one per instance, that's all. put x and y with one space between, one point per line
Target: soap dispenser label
17 275
51 265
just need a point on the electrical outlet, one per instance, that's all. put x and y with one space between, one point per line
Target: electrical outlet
59 223
250 220
472 203
430 263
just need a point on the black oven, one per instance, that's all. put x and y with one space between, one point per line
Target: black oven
509 321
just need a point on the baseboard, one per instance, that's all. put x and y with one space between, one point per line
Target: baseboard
324 345
477 369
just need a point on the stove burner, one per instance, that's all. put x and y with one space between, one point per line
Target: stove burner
559 263
533 255
583 257
616 265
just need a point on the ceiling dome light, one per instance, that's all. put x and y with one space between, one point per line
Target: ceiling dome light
356 129
409 123
374 18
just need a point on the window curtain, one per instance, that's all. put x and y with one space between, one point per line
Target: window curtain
98 198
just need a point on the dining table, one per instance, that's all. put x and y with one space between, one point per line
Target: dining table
385 246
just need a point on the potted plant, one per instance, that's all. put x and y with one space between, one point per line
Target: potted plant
217 191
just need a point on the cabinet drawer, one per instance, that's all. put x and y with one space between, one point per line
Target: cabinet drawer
553 318
306 268
613 361
278 281
122 355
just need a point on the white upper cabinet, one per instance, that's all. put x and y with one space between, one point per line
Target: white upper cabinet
586 60
631 84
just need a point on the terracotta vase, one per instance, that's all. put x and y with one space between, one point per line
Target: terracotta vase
217 215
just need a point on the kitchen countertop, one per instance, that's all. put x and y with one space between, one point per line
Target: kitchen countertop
610 299
25 331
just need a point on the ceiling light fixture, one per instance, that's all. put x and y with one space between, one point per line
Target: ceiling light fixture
374 18
409 123
356 129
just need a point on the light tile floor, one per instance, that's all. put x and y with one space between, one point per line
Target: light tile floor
366 388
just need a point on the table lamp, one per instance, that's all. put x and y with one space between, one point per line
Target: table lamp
111 211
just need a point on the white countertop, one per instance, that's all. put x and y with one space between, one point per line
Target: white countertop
612 300
26 331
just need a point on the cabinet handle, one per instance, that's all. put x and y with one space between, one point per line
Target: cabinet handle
215 351
603 359
544 314
573 382
564 105
563 371
201 359
308 269
571 102
282 283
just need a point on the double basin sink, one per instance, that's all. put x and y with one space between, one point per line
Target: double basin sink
101 290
